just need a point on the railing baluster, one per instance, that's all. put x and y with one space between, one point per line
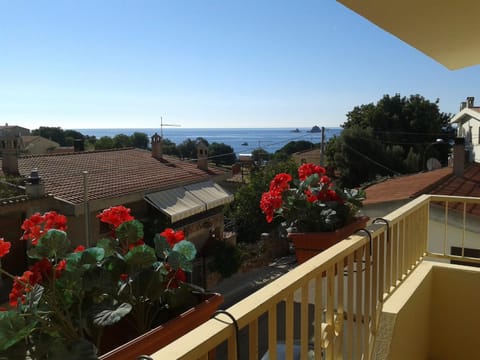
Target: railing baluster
339 324
304 322
253 339
317 325
330 311
368 310
272 332
359 300
350 311
289 322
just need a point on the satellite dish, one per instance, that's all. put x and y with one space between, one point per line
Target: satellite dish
433 164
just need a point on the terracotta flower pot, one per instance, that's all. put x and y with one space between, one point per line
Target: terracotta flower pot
307 245
164 334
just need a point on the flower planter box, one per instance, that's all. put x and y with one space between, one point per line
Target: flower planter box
307 245
164 334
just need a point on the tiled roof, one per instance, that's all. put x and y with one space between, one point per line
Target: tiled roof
438 182
466 185
110 173
405 187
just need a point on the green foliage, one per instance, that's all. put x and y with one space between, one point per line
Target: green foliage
221 154
248 218
60 305
52 133
139 140
122 141
104 143
227 259
378 138
169 147
259 155
187 149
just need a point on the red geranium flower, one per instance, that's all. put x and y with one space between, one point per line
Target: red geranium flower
115 215
37 225
173 236
4 247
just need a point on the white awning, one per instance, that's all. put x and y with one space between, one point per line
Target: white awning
182 202
177 203
211 194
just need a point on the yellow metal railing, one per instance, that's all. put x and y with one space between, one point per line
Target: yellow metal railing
329 306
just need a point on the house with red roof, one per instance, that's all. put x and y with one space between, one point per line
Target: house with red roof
460 179
162 191
468 127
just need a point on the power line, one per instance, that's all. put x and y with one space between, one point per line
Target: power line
371 160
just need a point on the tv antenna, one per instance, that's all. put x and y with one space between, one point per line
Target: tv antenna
162 125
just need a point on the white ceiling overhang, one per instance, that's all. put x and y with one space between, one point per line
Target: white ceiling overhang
447 31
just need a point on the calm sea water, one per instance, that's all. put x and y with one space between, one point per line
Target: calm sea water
241 140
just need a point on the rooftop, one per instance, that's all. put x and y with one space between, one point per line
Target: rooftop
111 173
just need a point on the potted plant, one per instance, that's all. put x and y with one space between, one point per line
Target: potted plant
316 212
67 304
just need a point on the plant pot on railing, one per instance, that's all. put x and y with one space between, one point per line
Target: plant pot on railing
309 244
160 336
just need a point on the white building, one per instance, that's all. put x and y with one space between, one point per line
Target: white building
468 122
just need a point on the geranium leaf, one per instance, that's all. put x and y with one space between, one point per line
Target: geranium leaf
162 247
92 255
140 256
13 328
148 284
186 248
53 244
178 261
112 315
130 232
108 245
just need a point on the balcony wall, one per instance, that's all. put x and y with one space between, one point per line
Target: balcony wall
432 315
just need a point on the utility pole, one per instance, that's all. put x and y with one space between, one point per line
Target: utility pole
322 146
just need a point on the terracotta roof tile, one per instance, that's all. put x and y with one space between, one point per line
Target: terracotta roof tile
466 185
439 182
405 187
110 173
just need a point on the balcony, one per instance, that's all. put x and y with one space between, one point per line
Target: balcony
385 292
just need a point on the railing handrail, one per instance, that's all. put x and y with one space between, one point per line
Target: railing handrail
393 257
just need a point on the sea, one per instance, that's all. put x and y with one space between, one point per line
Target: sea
242 140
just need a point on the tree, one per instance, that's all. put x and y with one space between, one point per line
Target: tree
221 154
188 148
121 141
169 147
259 155
139 140
292 147
71 136
52 133
385 138
104 143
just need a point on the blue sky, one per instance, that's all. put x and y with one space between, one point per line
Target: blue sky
205 63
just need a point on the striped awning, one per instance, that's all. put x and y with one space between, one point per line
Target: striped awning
185 201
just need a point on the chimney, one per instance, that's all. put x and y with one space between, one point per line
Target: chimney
459 156
9 146
470 101
157 152
78 145
202 155
463 105
34 186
